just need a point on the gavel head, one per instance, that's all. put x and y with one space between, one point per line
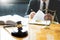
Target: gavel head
19 24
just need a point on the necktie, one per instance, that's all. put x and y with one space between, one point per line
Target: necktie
44 6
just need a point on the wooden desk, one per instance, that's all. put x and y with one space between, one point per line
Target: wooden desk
51 33
55 27
4 35
36 32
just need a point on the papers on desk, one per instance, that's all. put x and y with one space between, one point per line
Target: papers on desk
39 15
40 23
14 18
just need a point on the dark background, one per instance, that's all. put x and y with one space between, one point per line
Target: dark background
18 7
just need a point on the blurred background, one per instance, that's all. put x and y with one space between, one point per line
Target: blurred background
20 7
13 7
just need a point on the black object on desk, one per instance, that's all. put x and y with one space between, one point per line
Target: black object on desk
19 33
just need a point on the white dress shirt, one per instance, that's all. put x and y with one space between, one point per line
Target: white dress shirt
41 4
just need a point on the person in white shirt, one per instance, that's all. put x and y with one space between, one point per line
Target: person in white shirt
37 7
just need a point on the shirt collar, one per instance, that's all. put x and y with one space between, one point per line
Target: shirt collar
45 1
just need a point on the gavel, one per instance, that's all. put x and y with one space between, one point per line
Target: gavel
19 33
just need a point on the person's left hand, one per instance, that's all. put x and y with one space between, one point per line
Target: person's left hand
48 16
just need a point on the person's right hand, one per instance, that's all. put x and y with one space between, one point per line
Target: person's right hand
31 15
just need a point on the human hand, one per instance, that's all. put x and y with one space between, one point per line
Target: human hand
48 16
32 14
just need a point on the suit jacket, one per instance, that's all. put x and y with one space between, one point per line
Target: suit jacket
53 5
57 4
35 5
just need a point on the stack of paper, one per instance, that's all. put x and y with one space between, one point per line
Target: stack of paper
41 22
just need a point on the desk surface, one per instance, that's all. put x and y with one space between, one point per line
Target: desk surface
4 35
36 32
